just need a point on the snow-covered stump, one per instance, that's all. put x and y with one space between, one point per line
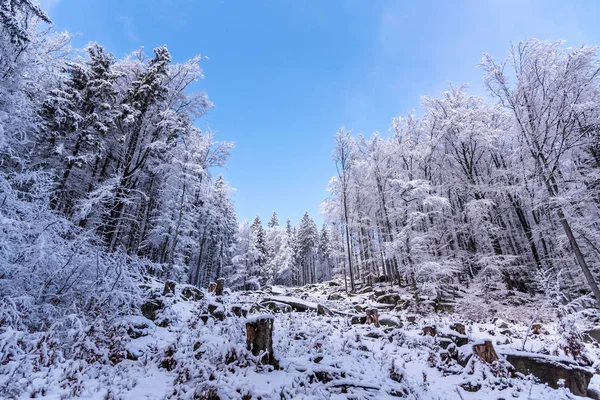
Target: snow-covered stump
485 351
372 317
220 287
259 338
212 287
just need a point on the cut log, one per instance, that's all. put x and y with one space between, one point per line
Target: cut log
429 331
220 287
211 287
373 317
485 351
259 339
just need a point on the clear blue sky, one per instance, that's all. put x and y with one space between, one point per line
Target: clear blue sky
285 75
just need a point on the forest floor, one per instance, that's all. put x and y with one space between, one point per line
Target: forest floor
196 348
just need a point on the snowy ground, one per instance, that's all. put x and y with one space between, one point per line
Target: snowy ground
195 355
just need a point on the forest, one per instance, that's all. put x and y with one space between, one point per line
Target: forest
110 205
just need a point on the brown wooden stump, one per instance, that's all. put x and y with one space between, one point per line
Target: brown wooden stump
429 331
485 351
220 287
211 287
259 339
373 316
536 329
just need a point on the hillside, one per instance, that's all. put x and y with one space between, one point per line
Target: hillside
196 348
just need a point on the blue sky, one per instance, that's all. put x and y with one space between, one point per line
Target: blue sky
285 75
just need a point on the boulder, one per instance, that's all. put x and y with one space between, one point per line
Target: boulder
391 298
389 321
358 319
217 311
191 293
151 308
296 304
335 296
277 306
334 283
550 370
593 334
460 340
322 310
364 290
238 311
445 307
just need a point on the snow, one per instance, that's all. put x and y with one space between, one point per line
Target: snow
320 357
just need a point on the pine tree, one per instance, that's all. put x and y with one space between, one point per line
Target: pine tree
274 221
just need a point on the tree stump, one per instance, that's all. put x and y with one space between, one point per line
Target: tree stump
372 317
211 287
259 339
429 331
536 329
169 289
220 286
485 351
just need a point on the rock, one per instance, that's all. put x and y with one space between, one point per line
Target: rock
151 307
238 311
460 340
550 370
411 319
358 319
594 334
506 332
217 311
389 321
445 307
373 335
191 293
388 299
335 296
334 283
379 293
359 308
365 290
297 305
322 310
137 326
277 306
444 343
458 327
501 324
169 289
